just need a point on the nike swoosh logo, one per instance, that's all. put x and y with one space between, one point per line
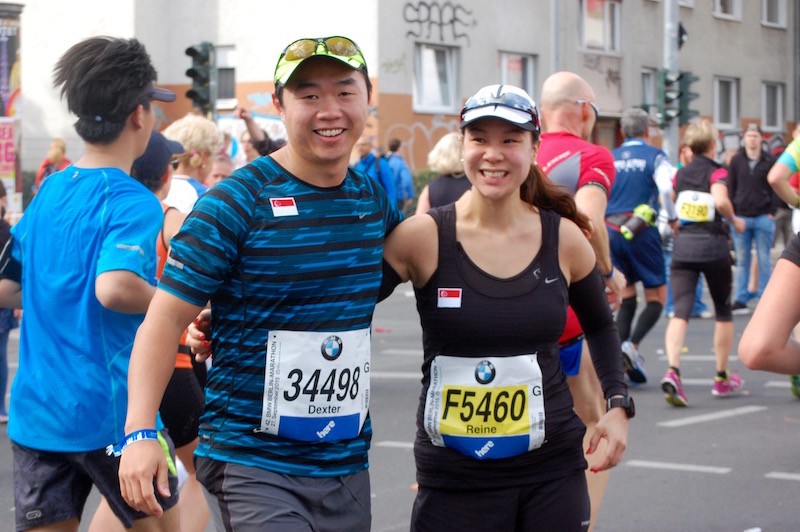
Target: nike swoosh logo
548 281
361 215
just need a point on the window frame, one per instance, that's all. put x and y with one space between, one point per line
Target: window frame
782 14
780 92
452 69
612 27
225 60
737 10
529 65
734 103
649 83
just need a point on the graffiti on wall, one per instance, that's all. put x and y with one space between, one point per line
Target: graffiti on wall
420 137
450 20
611 75
731 140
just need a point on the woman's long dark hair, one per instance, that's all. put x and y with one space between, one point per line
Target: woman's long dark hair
542 193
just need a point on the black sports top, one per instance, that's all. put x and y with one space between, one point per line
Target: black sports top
469 316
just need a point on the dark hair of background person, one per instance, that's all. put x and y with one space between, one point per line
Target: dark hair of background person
104 80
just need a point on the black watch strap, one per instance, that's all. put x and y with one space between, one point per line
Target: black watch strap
625 402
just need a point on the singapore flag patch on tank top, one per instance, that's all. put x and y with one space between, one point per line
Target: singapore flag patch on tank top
449 298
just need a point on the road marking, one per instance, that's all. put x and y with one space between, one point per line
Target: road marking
396 375
401 352
395 444
783 476
712 417
679 467
778 384
698 382
697 358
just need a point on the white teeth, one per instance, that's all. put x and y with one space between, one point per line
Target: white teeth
330 132
493 175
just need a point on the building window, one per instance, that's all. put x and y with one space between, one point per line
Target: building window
730 9
773 13
726 103
772 106
435 73
649 90
601 25
518 70
226 76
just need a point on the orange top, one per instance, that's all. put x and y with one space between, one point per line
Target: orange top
183 361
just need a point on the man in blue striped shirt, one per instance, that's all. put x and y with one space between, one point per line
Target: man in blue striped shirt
289 252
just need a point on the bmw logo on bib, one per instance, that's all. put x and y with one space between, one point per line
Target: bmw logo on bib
332 347
484 372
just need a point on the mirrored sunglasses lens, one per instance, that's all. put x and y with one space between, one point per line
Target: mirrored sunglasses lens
300 49
341 46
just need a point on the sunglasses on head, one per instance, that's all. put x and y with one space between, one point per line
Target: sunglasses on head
593 105
339 47
507 99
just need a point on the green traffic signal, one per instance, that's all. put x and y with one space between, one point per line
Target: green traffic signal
675 88
686 97
203 74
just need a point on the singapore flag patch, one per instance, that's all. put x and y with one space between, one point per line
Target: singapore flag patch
449 298
283 207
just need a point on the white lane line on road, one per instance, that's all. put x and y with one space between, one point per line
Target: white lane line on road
401 352
783 476
698 382
679 467
697 358
396 375
396 444
778 384
722 414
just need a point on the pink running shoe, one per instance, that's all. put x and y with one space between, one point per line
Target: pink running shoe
726 387
673 389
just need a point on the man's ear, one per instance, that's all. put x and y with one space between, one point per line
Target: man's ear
137 116
277 104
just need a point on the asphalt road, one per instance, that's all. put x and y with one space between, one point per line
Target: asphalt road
720 464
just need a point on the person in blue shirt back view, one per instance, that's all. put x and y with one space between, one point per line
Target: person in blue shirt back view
403 180
371 164
85 260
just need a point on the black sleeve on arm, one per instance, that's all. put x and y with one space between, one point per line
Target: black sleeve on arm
9 267
588 300
389 281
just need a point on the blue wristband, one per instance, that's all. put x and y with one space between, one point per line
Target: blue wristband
609 276
137 435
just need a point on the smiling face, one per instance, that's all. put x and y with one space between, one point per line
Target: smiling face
497 157
324 109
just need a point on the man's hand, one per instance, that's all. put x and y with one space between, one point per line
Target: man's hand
739 225
614 288
139 464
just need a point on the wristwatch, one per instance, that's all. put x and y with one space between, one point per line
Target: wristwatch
625 402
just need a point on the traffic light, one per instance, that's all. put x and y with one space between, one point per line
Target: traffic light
686 96
204 77
668 93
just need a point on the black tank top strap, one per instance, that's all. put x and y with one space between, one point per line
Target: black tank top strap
445 218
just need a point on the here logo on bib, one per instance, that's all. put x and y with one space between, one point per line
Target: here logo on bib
316 385
486 408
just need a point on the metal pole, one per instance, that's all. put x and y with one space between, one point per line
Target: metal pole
555 59
796 61
670 133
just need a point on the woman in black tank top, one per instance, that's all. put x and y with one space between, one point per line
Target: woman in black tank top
499 446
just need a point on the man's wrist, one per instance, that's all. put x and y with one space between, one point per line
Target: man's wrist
609 275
